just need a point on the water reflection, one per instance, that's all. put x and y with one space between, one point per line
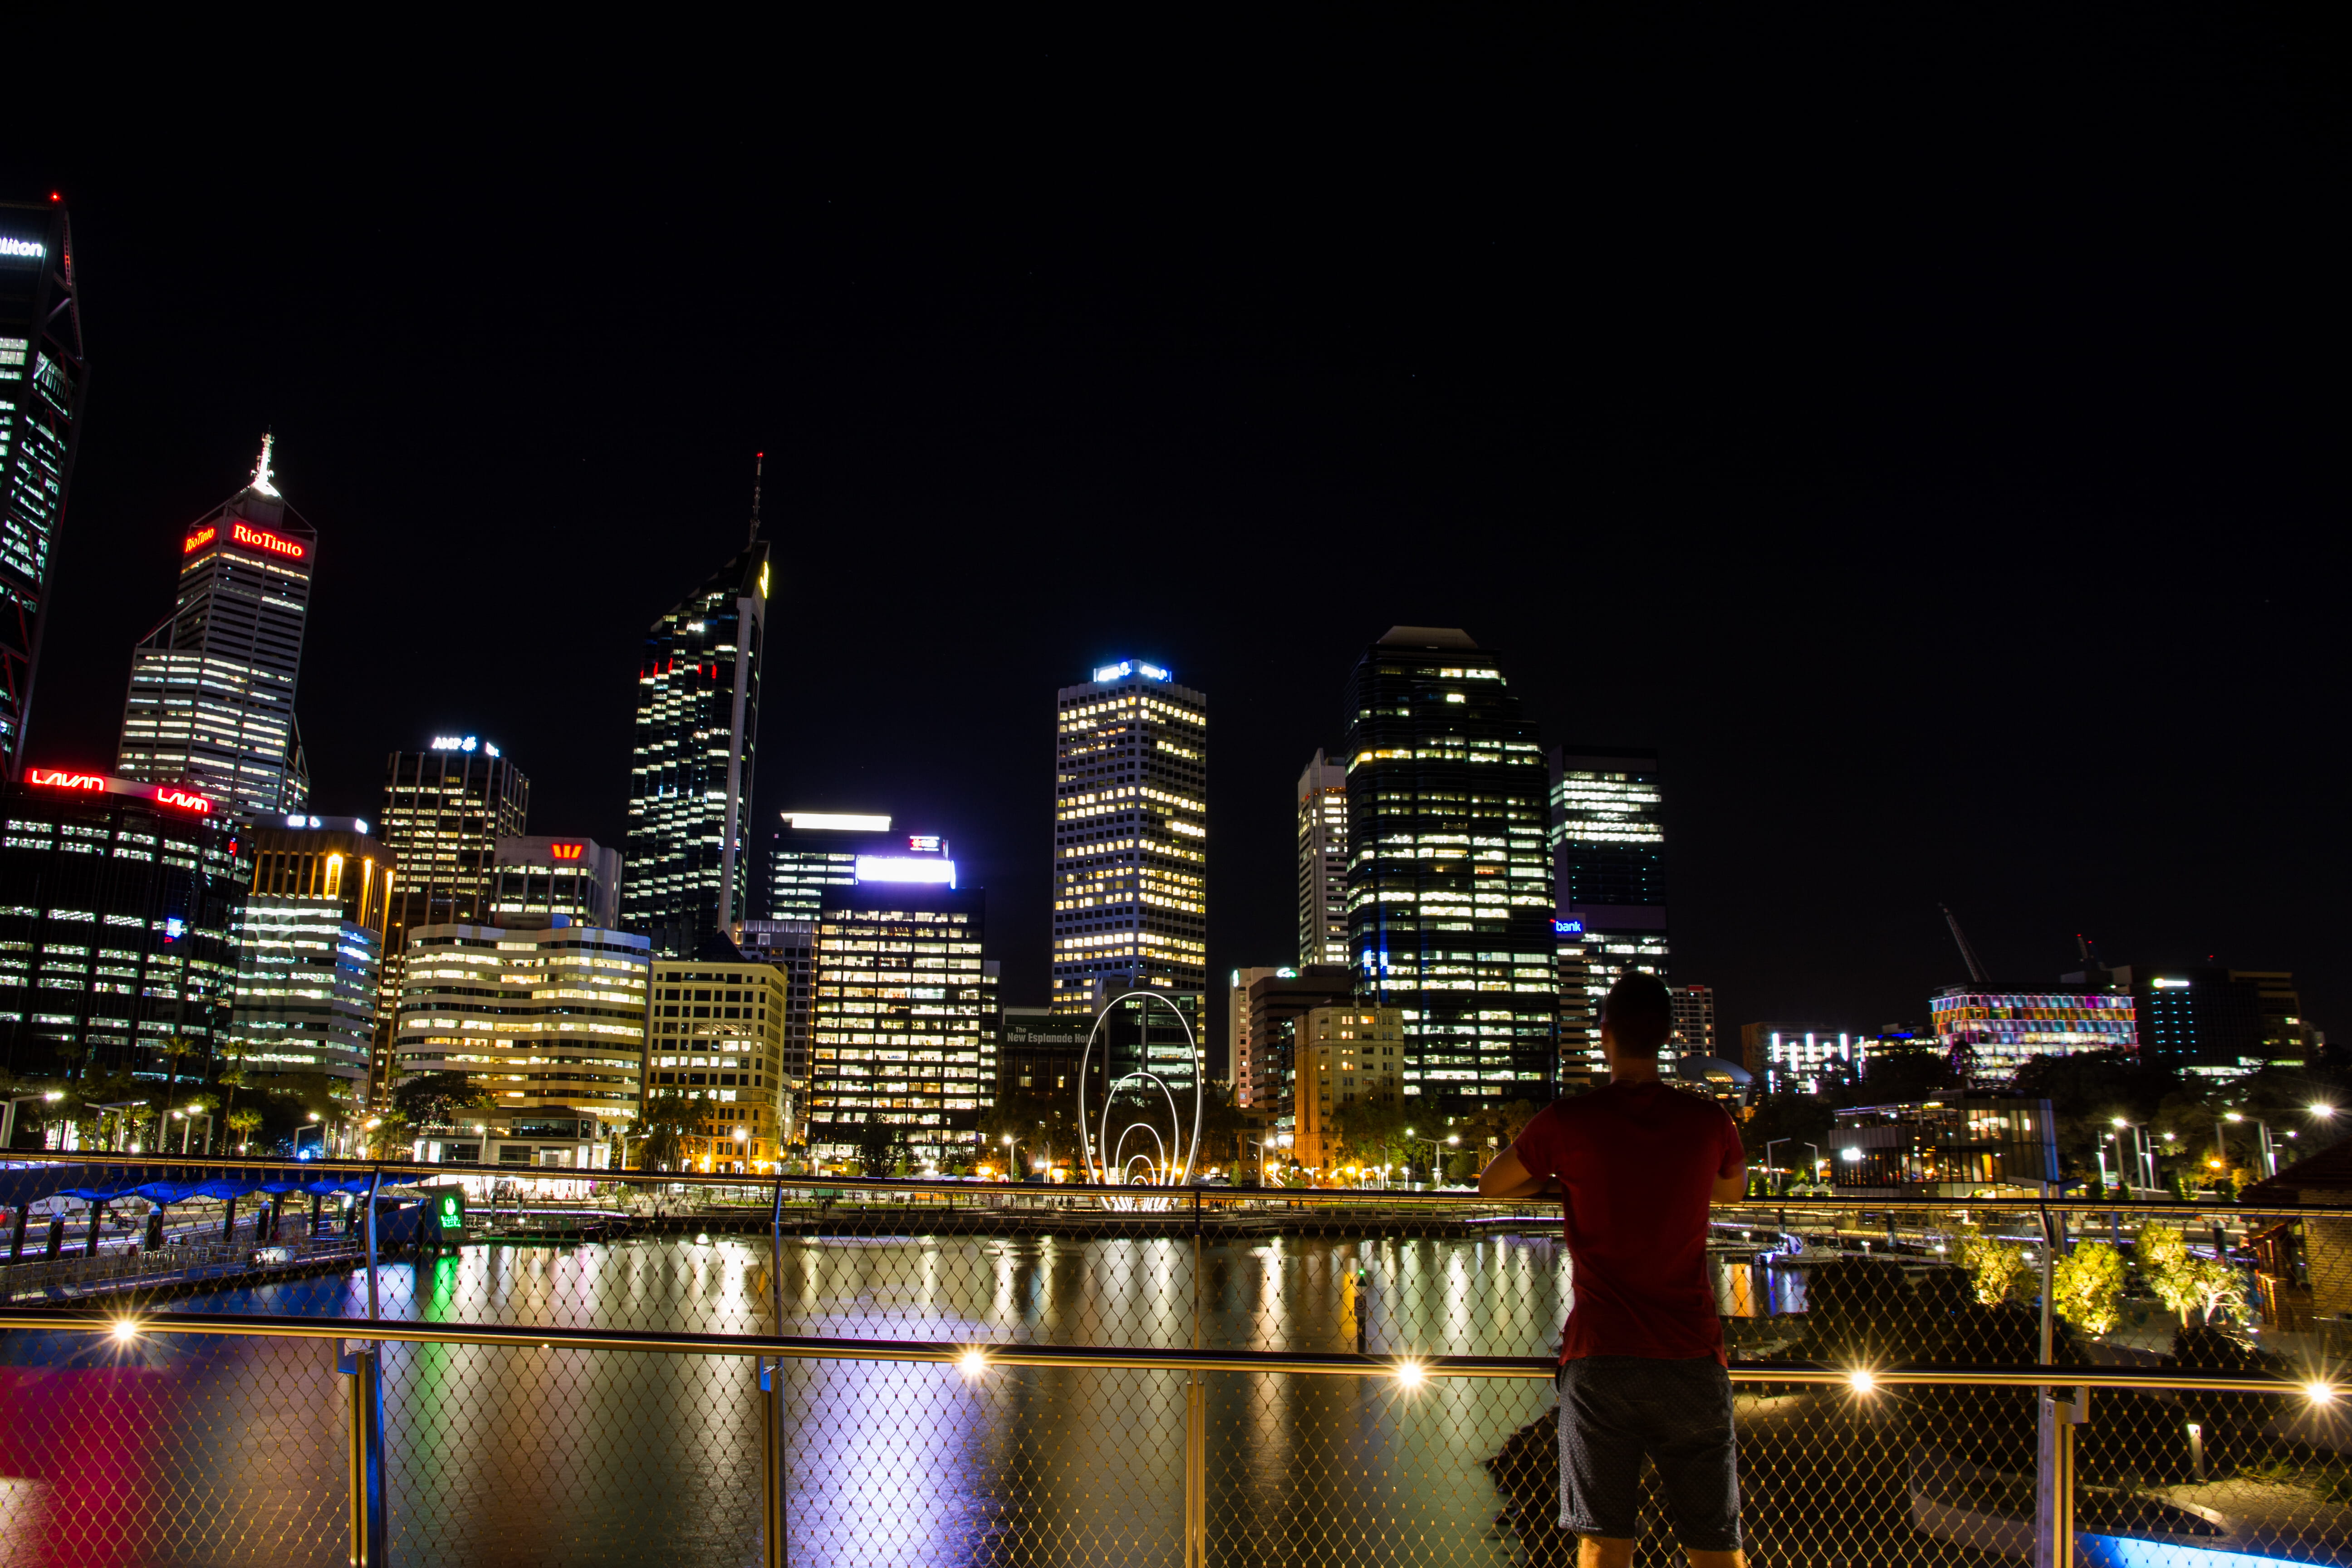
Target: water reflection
231 1450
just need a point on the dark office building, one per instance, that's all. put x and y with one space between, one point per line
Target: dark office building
2217 1023
1039 1051
814 850
689 863
791 946
42 369
1449 884
1274 1003
117 899
1945 1149
1608 842
445 809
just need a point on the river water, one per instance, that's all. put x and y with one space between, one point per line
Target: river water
219 1449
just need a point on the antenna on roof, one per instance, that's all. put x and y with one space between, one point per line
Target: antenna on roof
759 466
261 469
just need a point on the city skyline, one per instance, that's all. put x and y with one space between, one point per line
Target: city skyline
1014 441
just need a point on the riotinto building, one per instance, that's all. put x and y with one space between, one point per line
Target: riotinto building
1449 888
1130 837
212 688
116 947
42 374
691 781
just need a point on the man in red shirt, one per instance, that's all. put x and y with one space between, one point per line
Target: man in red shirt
1637 1164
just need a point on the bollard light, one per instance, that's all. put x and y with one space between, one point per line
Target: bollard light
2319 1393
125 1330
1861 1381
1411 1374
971 1364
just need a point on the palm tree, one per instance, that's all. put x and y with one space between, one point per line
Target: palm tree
242 1123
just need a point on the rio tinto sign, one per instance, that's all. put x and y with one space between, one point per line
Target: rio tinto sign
199 539
173 795
260 539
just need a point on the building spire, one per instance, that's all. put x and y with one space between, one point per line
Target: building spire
261 469
759 467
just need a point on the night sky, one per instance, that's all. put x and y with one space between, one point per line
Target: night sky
1926 441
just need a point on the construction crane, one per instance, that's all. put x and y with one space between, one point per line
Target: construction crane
1968 955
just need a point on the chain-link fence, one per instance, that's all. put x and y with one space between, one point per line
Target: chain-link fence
550 1367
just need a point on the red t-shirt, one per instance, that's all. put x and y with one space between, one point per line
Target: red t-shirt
1638 1162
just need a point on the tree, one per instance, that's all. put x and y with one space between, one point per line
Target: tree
2085 1286
1489 1130
2217 1288
177 1048
667 1119
2162 1254
1897 1077
1371 1130
241 1124
880 1146
435 1099
1035 1123
1996 1267
1788 1118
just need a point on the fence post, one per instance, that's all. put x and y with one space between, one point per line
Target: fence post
771 1396
369 1520
1196 1425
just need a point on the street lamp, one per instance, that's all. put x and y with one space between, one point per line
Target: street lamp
2146 1157
8 1113
2268 1150
742 1140
1770 1146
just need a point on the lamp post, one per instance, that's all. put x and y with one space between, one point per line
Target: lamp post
2146 1157
8 1112
1770 1146
1817 1158
2264 1149
743 1146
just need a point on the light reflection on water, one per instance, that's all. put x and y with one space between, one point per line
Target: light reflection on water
502 1455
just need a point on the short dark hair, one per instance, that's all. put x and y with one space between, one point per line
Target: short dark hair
1640 1011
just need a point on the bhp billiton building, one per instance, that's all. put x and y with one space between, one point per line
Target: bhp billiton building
42 374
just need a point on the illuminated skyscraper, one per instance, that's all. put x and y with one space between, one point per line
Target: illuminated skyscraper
1608 842
212 688
311 955
1323 862
445 809
42 374
1130 837
688 871
1449 890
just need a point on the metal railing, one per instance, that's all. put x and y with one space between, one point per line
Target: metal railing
851 1372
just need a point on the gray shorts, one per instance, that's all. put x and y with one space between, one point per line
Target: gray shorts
1615 1408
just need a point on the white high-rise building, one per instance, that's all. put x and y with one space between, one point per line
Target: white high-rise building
1130 837
1323 862
212 688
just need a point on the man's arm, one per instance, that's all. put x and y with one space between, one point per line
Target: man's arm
1506 1177
1731 1188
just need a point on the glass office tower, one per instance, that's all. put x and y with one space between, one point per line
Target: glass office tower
311 961
445 809
1130 837
1449 889
819 850
42 374
212 688
688 872
1323 862
1608 842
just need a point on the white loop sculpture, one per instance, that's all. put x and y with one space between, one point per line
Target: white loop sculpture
1100 1152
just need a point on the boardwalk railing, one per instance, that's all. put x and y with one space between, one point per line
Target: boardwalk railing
704 1369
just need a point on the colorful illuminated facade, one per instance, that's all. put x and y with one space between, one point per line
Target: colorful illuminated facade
310 955
211 703
42 375
1450 902
1323 862
1991 1034
117 945
688 872
903 1053
1130 837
